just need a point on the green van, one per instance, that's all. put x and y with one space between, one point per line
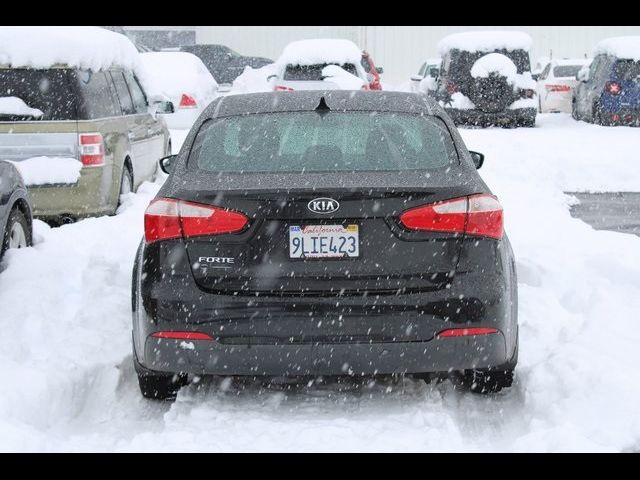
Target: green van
101 118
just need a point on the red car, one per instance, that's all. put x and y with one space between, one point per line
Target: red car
371 69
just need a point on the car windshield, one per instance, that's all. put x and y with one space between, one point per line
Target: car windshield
322 142
46 91
627 70
566 71
313 72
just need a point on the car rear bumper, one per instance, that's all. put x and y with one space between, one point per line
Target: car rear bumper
435 356
92 195
520 116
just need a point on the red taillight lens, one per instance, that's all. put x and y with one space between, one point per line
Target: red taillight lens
282 88
466 332
183 335
614 88
452 88
91 149
187 101
558 88
167 218
478 215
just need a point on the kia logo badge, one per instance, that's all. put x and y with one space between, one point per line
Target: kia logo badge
323 205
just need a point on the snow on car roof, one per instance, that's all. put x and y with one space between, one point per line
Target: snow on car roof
82 47
486 41
175 73
627 48
319 51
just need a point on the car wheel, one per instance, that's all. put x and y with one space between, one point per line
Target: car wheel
18 232
157 385
574 111
596 115
126 182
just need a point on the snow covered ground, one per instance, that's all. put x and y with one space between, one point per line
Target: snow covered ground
68 383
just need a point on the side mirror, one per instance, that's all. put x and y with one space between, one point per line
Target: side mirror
583 76
434 73
478 159
168 164
164 107
417 78
535 76
380 70
370 77
271 77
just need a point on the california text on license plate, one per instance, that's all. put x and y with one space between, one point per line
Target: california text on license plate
324 241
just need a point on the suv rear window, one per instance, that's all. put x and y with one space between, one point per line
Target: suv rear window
566 71
327 142
463 61
627 70
49 91
313 72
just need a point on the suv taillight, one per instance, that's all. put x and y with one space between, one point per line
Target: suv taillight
166 218
282 88
478 215
187 101
91 149
614 88
452 88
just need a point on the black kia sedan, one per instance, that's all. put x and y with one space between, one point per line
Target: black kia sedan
324 233
15 210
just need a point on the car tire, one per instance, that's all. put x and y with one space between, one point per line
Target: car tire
596 115
574 111
126 182
17 233
159 385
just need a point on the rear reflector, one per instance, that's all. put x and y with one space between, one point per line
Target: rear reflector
466 332
614 88
91 149
282 88
183 335
187 101
167 218
478 215
558 88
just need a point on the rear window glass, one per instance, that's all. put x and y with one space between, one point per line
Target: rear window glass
327 142
566 71
46 90
627 70
463 61
313 72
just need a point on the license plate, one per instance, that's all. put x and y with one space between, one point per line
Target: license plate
324 241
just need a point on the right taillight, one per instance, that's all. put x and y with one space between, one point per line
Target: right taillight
166 218
187 101
477 215
452 88
91 149
614 88
282 88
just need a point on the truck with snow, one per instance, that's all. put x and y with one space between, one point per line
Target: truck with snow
75 119
485 79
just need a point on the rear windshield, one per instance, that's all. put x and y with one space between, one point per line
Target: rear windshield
566 71
322 142
463 61
313 72
627 70
46 90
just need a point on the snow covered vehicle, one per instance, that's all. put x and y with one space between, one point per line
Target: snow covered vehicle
556 84
72 106
321 64
485 79
608 93
15 210
367 244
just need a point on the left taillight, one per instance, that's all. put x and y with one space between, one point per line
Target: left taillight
91 149
167 218
187 101
477 215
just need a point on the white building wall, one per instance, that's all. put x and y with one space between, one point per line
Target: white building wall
402 49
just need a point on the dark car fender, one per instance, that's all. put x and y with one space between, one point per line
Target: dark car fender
12 192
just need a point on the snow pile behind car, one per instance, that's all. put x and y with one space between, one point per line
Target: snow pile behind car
320 51
627 48
485 41
82 47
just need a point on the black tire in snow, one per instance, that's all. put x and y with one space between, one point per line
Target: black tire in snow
16 217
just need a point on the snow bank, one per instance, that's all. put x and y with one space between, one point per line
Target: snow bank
49 170
495 63
319 51
459 101
173 73
627 48
16 106
255 79
83 47
343 79
486 41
